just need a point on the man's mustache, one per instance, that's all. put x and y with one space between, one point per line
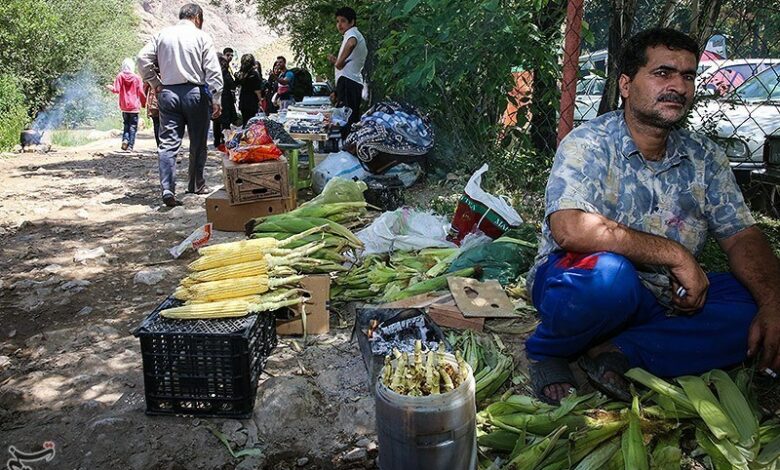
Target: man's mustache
672 98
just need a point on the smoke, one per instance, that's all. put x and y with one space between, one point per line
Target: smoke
80 100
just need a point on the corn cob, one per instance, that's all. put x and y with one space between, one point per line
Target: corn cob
258 244
600 455
233 271
661 387
534 454
632 443
230 288
709 408
667 453
736 406
237 307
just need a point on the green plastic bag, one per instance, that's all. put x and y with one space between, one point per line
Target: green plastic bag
505 258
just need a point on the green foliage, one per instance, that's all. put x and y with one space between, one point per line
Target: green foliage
13 113
42 41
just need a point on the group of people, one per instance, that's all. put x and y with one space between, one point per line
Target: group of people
630 202
185 82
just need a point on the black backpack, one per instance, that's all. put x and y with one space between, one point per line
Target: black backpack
302 84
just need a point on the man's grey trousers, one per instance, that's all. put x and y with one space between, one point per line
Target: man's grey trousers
183 105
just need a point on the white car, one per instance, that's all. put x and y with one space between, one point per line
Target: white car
742 120
719 77
589 91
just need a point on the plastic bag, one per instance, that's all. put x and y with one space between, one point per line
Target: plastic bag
503 259
479 210
252 145
339 190
345 165
405 229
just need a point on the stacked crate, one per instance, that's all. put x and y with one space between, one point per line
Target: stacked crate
251 190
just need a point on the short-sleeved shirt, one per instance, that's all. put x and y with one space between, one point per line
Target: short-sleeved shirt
684 196
353 69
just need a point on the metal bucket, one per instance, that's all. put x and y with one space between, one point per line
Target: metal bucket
427 433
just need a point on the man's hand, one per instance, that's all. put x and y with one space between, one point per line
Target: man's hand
692 278
764 337
216 110
332 59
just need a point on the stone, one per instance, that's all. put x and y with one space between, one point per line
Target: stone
77 285
363 442
12 333
356 455
150 276
87 254
196 422
52 268
252 462
5 362
82 214
302 461
372 446
176 212
85 311
24 284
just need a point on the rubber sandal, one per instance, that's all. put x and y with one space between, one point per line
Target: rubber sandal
550 371
596 367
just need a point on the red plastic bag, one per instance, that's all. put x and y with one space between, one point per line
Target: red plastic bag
255 145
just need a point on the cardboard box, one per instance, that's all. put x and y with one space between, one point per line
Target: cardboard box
317 314
231 218
251 182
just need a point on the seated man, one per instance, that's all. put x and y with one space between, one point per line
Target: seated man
630 201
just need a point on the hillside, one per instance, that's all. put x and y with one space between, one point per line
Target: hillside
232 23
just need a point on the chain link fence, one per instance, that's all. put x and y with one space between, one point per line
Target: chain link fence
737 101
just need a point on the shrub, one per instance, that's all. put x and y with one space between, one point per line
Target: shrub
13 112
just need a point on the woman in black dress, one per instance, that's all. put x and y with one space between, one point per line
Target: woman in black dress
228 115
251 83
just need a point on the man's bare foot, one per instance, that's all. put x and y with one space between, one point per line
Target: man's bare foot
605 365
557 392
551 379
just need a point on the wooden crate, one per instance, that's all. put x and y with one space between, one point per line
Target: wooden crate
252 182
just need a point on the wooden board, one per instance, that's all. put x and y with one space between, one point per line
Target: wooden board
449 315
481 299
252 182
419 301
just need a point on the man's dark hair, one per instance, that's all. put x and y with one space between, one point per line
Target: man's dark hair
281 57
634 55
227 50
348 13
191 11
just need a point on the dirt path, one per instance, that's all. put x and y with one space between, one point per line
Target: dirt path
70 369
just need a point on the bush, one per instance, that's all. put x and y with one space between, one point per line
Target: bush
13 112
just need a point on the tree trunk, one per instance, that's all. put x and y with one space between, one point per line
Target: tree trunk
623 12
709 11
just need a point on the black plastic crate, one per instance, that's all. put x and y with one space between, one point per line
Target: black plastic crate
204 367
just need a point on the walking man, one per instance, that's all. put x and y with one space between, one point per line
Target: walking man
189 94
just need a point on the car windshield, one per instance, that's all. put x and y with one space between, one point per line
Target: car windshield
762 87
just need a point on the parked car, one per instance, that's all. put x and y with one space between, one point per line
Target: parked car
321 89
589 91
742 119
719 77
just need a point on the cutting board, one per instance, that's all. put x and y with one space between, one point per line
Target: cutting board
481 299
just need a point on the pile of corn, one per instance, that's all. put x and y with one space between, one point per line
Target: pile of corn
398 276
492 368
425 373
710 418
233 279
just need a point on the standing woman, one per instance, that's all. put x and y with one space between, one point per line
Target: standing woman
251 83
228 115
131 99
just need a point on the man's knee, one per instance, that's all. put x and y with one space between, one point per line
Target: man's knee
592 291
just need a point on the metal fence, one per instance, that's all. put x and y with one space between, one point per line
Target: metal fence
737 100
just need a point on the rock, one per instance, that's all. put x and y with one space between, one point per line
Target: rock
176 212
86 254
356 455
372 447
52 268
12 333
24 284
85 311
160 292
5 362
150 276
302 462
82 214
364 442
253 462
196 422
240 438
76 285
451 177
2 284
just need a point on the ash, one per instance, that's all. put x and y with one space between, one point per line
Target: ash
402 335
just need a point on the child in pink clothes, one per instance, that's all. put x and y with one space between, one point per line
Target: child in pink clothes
130 89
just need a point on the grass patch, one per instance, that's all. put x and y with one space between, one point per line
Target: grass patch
70 137
109 122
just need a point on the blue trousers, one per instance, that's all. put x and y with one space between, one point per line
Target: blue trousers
183 106
588 299
130 122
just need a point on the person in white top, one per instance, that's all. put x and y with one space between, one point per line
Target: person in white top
349 65
189 89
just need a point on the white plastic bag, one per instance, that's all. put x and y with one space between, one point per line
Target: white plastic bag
405 229
345 165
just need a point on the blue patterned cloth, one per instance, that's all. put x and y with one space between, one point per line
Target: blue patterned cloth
686 195
391 128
